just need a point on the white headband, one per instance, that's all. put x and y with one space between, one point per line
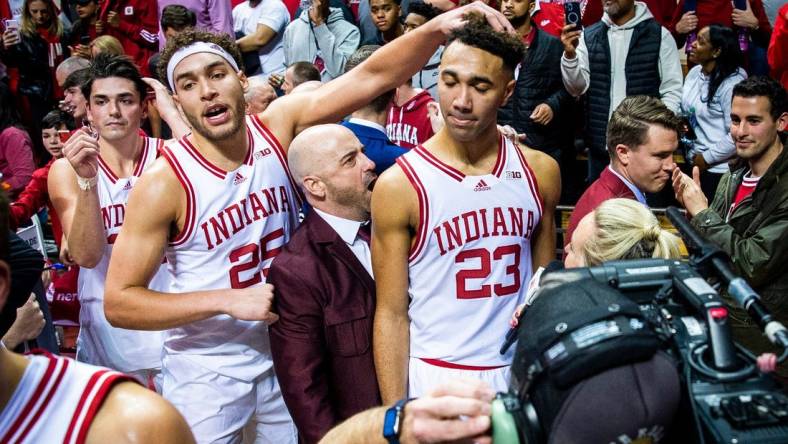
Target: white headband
194 48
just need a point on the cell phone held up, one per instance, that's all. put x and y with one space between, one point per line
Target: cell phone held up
572 14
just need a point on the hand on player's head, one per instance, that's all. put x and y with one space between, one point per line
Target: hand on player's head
455 19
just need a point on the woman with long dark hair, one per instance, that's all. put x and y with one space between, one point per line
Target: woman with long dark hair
16 149
706 101
36 50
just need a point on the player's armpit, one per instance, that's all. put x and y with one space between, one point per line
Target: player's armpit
132 414
394 215
548 179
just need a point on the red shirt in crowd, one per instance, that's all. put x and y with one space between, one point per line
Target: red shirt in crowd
137 30
409 125
746 188
778 47
719 12
549 17
16 159
31 199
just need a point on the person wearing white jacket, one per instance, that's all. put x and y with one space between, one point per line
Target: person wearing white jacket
321 36
637 57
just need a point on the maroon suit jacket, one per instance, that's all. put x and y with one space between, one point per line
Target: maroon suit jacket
608 186
322 343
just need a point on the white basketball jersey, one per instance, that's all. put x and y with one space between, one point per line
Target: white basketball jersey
98 342
471 262
236 223
55 401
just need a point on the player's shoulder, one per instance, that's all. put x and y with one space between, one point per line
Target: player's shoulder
539 161
61 167
393 179
131 413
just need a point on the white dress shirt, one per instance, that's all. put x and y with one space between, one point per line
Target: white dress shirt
348 231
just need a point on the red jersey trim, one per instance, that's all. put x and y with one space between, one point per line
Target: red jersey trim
137 169
500 163
424 213
531 179
99 392
201 160
444 364
32 411
280 154
144 157
439 164
191 199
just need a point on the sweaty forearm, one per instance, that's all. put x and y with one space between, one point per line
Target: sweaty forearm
391 345
141 309
86 232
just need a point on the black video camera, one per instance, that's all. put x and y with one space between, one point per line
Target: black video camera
724 398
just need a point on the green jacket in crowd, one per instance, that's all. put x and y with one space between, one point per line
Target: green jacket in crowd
756 236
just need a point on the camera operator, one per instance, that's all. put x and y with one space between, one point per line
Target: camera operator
748 218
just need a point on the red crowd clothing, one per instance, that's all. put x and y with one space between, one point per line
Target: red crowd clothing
719 12
409 125
137 31
31 199
549 17
16 159
608 186
778 47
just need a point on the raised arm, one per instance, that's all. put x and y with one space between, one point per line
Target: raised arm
78 209
152 212
548 179
383 71
394 212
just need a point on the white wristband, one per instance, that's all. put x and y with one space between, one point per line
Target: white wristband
87 184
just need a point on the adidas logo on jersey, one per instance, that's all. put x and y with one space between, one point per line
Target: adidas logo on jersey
514 175
238 179
262 153
127 186
481 186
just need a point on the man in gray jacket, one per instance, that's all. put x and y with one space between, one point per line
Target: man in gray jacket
321 36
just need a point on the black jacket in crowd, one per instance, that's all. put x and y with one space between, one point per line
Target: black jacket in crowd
539 81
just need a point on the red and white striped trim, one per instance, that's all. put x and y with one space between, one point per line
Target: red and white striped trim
143 158
191 198
424 208
280 154
531 179
200 159
500 162
140 166
439 164
444 364
39 401
93 396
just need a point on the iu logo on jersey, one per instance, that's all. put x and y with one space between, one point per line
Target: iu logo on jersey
481 186
238 179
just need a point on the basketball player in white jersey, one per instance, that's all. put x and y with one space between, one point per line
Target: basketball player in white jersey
50 399
89 189
458 225
220 204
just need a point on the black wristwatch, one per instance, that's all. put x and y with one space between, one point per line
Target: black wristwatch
392 423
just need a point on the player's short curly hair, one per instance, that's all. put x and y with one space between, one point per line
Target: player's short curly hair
479 34
190 36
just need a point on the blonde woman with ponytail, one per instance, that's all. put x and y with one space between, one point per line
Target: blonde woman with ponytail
619 229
